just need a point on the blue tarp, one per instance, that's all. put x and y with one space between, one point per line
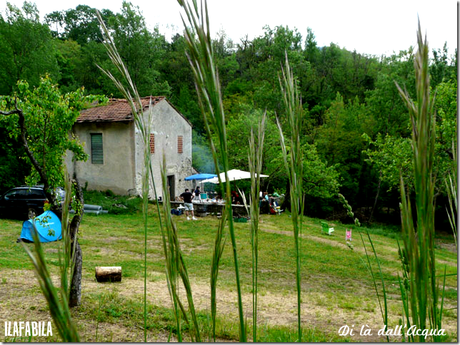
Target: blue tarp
48 227
200 177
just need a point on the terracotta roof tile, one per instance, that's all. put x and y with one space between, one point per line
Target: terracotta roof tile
117 110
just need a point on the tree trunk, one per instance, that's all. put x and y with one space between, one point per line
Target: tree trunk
376 198
287 198
75 286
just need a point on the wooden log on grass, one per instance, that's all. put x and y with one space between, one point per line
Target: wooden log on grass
108 274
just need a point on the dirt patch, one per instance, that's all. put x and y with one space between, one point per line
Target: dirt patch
451 247
24 301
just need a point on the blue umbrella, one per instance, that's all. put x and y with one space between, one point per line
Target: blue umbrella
200 177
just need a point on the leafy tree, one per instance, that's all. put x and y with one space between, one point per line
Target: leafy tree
225 58
80 49
174 67
88 74
311 47
140 49
42 119
442 68
14 166
260 60
339 142
26 47
392 155
384 101
68 56
319 179
243 118
79 24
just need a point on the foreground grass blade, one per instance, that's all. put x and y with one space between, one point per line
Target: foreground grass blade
418 232
452 187
174 261
256 149
175 265
217 255
385 299
142 122
384 310
294 167
57 303
207 84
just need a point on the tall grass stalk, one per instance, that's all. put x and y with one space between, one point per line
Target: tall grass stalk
418 286
175 265
293 160
57 302
202 61
142 123
422 297
219 245
451 187
172 261
384 309
255 155
256 147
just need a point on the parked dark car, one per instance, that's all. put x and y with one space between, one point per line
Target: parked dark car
25 202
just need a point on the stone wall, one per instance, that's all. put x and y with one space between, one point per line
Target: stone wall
166 125
117 170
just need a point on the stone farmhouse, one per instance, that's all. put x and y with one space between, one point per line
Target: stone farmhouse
115 147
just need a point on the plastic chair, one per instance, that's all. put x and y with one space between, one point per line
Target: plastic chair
326 229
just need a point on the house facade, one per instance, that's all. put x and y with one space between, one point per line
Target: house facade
115 147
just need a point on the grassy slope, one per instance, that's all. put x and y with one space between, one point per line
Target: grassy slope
336 284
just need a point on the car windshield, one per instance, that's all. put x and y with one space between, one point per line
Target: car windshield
11 194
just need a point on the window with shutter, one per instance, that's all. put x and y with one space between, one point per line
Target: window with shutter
152 143
180 144
97 154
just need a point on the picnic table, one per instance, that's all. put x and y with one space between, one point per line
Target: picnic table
203 207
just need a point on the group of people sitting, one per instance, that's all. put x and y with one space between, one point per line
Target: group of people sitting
267 204
236 198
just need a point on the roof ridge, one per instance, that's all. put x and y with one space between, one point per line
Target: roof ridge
118 110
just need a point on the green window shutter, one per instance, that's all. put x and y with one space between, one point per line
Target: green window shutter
97 153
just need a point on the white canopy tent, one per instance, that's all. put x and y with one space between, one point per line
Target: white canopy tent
233 175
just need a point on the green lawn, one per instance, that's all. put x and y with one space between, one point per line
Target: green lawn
336 284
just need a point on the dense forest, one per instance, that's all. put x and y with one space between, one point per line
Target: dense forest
356 134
